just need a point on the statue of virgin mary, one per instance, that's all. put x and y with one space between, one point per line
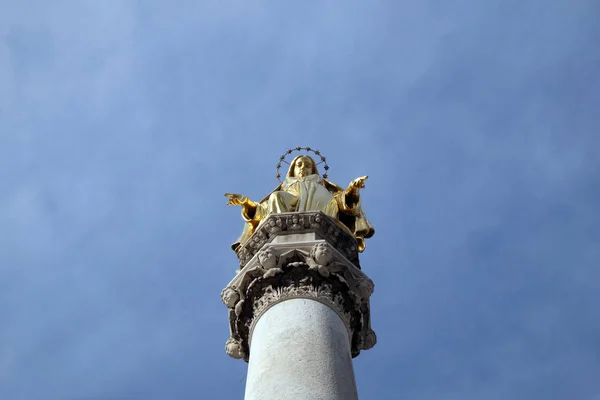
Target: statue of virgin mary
305 190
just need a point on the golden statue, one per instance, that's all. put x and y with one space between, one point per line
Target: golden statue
305 190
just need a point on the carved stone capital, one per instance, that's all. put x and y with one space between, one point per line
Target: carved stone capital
315 222
305 265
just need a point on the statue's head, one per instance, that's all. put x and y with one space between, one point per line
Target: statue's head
302 166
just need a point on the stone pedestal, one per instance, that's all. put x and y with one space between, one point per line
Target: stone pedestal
299 309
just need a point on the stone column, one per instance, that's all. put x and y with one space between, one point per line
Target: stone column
300 350
299 309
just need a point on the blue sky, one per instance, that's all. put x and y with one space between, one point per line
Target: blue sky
122 124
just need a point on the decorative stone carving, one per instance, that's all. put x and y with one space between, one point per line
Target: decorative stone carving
295 222
369 340
312 221
365 287
267 258
320 257
321 254
315 221
230 296
273 225
233 347
323 270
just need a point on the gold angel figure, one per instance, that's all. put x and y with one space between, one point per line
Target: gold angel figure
305 190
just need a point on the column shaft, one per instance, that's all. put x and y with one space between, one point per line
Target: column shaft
300 350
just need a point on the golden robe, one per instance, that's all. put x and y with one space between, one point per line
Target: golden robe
310 193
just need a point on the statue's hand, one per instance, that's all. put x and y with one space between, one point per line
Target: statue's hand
357 183
236 199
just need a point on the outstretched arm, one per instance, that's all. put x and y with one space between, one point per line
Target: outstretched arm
248 206
353 191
